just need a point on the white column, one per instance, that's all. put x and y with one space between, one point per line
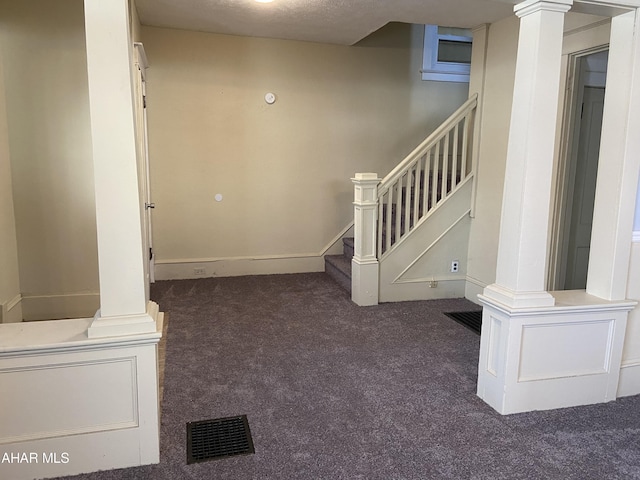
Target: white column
364 265
619 164
522 249
123 309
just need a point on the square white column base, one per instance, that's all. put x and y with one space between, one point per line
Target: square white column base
365 282
542 358
125 324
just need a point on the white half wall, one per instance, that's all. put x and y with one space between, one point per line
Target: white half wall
80 405
630 370
530 359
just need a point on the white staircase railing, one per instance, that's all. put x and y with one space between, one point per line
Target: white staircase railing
387 211
425 178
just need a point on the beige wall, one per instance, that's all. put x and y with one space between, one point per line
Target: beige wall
49 138
284 169
496 115
9 278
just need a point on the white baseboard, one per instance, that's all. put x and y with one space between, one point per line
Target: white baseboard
54 307
473 288
420 290
11 311
629 382
185 268
237 266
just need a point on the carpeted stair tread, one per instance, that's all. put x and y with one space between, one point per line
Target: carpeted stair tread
348 246
339 268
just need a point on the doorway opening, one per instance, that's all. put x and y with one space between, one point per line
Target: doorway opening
577 171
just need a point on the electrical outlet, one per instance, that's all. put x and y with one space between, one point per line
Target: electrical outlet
454 266
199 271
433 283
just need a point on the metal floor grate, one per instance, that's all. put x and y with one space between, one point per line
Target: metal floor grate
471 320
219 438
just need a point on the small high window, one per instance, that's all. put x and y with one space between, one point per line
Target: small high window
447 54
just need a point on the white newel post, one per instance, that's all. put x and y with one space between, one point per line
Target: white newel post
364 265
123 306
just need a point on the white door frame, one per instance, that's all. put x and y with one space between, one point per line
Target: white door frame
147 205
567 156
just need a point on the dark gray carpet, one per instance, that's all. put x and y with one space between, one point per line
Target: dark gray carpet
336 391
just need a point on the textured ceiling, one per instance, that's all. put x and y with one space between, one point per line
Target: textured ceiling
342 22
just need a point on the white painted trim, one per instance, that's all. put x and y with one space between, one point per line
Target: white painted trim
432 69
473 288
529 359
585 28
96 432
182 268
59 306
125 325
11 311
432 278
239 266
424 252
636 236
336 239
629 382
432 212
477 87
533 6
13 302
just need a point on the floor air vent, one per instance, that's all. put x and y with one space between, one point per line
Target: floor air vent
219 438
471 320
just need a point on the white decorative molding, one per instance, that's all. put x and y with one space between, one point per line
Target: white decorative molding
11 311
124 325
429 247
590 356
629 383
90 381
449 220
93 400
473 288
530 359
60 306
532 6
636 236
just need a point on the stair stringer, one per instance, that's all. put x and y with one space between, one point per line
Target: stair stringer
425 254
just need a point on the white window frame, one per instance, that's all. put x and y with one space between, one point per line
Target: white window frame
432 69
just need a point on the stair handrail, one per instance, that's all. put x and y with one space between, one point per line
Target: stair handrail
426 178
428 143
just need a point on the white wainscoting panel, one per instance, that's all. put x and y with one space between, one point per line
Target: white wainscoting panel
75 404
91 384
542 358
570 349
